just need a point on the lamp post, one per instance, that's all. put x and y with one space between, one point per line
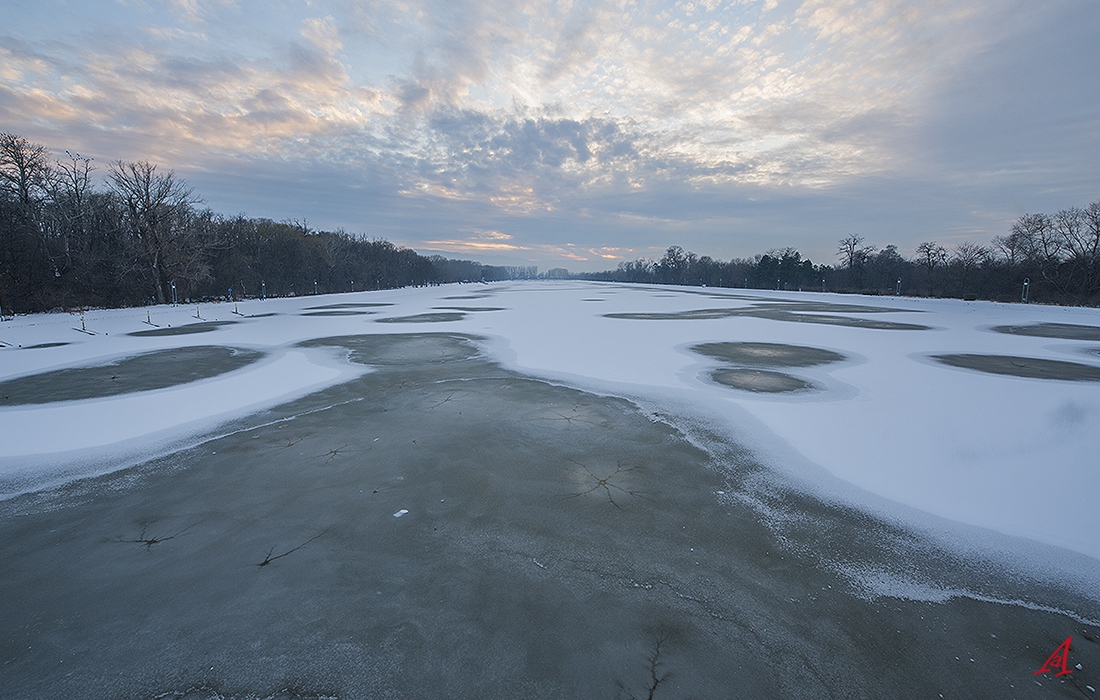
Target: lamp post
897 291
1023 293
174 293
263 289
314 287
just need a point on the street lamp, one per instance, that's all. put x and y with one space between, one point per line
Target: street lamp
173 292
897 292
263 289
1023 294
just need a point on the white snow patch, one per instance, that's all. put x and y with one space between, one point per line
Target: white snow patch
67 426
890 430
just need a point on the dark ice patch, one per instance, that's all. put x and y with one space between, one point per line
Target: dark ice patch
692 315
145 372
442 317
828 320
190 328
1063 331
404 350
349 305
338 312
472 309
768 354
772 313
760 381
1027 367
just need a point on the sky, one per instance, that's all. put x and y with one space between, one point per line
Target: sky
581 134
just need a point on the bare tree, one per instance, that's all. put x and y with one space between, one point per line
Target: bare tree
967 257
1013 247
156 205
1079 231
1044 247
931 255
24 169
852 253
70 191
672 266
853 257
24 173
24 178
1092 233
1038 231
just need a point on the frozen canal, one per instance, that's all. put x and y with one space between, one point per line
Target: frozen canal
551 490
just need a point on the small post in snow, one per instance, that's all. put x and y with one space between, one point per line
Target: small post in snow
1023 294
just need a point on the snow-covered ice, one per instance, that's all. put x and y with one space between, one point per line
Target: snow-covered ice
888 427
529 489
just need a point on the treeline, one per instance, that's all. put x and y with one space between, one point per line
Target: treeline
469 271
144 238
1050 258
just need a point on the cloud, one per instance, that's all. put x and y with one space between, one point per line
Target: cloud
670 117
469 246
552 95
322 33
482 242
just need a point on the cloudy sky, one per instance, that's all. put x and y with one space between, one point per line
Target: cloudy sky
579 134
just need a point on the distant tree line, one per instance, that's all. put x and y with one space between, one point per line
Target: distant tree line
144 238
469 270
1056 255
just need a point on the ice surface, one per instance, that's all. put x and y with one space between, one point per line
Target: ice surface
1016 455
379 510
